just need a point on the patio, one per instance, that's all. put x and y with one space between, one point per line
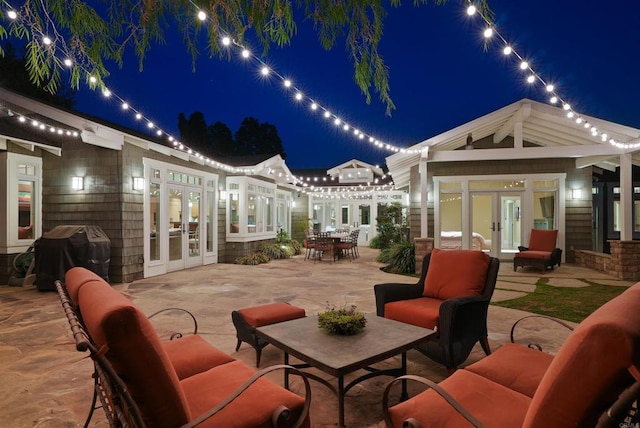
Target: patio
46 383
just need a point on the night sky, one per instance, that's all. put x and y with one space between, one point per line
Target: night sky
440 77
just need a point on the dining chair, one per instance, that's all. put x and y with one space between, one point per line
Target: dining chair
309 244
324 245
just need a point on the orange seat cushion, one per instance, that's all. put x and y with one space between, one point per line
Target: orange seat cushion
456 273
491 403
422 312
543 240
255 405
533 254
192 354
258 316
514 366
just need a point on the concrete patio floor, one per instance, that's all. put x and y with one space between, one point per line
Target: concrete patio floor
46 383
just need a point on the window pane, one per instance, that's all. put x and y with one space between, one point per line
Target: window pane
251 213
154 211
234 202
269 213
451 220
25 209
544 210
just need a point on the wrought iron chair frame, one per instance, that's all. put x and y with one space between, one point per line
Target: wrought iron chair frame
120 408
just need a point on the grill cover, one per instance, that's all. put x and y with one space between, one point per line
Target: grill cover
67 246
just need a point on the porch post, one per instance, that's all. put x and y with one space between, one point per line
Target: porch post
626 198
424 194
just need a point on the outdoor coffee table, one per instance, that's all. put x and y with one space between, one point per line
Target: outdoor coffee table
340 355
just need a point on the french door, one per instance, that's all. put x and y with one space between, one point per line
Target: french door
495 223
184 208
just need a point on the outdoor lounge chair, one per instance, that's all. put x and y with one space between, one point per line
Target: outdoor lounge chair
593 380
452 297
142 381
541 252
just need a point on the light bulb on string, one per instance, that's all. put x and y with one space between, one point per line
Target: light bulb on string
12 14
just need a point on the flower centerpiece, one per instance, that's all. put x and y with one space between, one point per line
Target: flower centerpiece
345 321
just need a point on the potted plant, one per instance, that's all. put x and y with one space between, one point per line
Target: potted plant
344 321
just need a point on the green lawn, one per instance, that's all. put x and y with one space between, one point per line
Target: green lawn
566 303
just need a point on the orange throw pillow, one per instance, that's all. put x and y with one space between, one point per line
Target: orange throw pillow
456 273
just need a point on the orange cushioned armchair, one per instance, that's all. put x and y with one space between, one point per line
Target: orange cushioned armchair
593 380
452 296
541 252
144 381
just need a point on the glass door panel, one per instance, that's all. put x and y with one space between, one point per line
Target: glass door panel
175 224
484 224
511 225
157 232
194 223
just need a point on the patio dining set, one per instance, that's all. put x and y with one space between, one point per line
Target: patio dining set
332 246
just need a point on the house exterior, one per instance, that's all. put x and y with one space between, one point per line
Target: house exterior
486 183
482 185
164 208
348 196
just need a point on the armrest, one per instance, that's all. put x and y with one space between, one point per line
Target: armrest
280 413
556 255
461 314
391 292
412 423
534 345
176 335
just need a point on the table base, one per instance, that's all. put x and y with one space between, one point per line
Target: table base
341 391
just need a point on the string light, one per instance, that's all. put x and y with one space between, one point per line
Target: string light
549 87
36 124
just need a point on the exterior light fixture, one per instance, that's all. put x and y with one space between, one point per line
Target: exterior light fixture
576 193
138 183
77 183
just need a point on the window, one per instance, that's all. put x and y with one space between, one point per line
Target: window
23 195
251 213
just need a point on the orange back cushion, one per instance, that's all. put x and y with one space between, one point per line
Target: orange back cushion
136 354
590 369
543 240
75 278
456 273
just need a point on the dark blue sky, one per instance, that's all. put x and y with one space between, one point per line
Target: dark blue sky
440 77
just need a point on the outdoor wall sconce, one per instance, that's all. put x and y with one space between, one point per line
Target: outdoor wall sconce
223 195
138 183
576 193
77 183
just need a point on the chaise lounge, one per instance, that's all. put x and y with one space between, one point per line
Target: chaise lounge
541 252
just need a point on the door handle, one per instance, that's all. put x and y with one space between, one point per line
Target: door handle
493 226
499 229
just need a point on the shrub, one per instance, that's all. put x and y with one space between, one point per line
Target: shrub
274 250
296 247
375 243
401 258
253 259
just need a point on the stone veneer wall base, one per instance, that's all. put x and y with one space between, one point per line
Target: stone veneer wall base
623 262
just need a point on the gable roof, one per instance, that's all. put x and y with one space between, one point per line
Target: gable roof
526 129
